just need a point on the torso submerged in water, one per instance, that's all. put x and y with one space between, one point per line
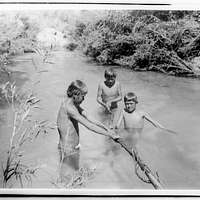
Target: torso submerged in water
133 125
110 93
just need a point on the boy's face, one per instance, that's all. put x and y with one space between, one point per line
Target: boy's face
110 80
130 105
79 98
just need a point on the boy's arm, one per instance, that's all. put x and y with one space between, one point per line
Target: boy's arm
72 112
119 97
99 98
94 121
157 124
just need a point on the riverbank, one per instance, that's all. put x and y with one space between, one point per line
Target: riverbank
161 41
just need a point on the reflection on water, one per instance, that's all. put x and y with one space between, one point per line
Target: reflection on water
68 165
172 101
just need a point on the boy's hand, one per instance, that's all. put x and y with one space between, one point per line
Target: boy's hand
77 146
116 137
113 135
108 105
169 131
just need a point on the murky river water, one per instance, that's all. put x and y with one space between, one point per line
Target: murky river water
174 102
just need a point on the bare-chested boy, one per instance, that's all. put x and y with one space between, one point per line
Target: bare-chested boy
134 120
109 92
70 114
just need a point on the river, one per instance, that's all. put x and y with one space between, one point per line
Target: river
172 101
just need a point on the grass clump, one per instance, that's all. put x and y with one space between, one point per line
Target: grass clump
24 131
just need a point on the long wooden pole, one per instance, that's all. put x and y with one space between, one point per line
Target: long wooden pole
151 178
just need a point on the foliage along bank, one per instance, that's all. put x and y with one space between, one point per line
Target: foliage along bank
164 41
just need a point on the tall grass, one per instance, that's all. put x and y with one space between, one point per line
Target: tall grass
24 130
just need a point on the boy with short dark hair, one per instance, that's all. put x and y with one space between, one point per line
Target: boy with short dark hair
109 92
69 116
134 120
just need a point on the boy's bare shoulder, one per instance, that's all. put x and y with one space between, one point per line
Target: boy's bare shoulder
117 82
68 106
65 102
142 113
101 83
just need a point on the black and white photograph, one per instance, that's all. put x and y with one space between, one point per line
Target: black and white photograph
99 99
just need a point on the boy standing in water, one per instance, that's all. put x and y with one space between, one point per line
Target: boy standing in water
109 93
134 120
69 115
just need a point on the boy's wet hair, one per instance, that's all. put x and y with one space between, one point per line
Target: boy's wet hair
110 73
76 87
130 96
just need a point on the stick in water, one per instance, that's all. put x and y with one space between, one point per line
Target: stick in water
152 179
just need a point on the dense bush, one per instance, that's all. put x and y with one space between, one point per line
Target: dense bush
71 46
143 40
17 35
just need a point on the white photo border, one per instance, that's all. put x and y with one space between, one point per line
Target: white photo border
101 5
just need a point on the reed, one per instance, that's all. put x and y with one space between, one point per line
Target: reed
24 130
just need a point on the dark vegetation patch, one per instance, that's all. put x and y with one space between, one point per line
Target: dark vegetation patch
164 41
